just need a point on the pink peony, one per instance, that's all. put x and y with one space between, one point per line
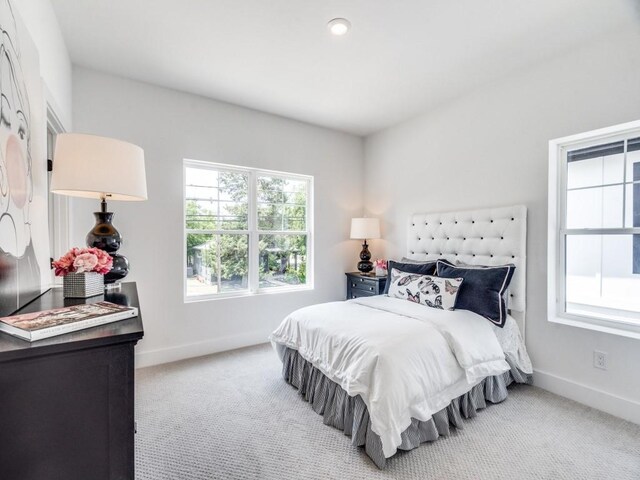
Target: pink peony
380 264
79 260
85 262
64 264
105 261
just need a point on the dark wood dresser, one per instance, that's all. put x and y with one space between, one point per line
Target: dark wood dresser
67 402
362 285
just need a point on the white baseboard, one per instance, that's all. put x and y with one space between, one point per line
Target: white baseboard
618 406
198 349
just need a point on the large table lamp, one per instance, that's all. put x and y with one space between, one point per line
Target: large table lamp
363 229
105 169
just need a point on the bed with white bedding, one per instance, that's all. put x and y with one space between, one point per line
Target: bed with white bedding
393 373
389 352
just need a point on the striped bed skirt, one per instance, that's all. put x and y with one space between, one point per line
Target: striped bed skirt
350 414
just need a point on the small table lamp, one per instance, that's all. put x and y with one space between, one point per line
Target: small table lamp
103 168
363 229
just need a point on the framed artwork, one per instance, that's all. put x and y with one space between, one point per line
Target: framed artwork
24 234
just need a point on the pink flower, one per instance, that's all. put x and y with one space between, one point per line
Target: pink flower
380 264
85 262
105 261
64 264
79 260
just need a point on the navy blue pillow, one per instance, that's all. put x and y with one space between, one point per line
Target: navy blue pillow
482 290
422 268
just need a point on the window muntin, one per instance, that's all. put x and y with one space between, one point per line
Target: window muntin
246 231
216 199
281 204
597 229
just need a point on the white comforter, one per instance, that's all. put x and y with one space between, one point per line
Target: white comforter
405 360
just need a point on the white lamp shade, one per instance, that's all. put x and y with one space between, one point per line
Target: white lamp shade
364 228
98 167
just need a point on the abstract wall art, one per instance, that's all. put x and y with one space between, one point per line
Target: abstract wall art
24 237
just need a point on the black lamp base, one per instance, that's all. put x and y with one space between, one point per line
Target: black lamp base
119 270
104 236
365 265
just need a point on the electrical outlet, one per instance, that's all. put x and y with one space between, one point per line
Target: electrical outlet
600 360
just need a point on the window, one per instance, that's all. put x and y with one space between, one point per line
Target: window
246 230
594 230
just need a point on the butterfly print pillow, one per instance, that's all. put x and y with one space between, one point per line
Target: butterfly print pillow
434 292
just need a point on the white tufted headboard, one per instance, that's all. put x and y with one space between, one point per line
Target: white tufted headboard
494 236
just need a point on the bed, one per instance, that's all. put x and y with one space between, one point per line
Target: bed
393 374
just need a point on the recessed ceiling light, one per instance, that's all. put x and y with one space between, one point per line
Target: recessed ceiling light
339 26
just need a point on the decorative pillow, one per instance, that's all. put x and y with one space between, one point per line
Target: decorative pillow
415 262
483 290
427 290
506 295
423 268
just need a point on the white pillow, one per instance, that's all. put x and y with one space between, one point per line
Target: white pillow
434 292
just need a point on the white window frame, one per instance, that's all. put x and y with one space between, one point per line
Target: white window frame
253 232
58 205
611 321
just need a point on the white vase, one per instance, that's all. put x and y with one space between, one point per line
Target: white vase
381 272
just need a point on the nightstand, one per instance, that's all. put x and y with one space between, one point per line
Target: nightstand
359 285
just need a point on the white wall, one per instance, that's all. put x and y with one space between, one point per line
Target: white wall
490 148
55 65
170 126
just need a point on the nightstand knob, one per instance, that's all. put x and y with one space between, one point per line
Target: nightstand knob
353 284
362 280
371 288
353 296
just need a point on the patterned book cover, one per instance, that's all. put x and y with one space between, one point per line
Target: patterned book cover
46 323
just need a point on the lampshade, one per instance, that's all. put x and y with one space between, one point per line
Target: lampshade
365 228
97 167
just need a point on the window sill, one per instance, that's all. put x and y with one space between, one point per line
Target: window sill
246 294
599 325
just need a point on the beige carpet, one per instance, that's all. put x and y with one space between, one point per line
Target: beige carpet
231 416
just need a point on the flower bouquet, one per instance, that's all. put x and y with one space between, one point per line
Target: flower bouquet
381 268
83 271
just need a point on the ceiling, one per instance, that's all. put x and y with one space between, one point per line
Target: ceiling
400 58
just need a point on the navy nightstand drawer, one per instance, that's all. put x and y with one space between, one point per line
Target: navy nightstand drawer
367 284
359 285
360 293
